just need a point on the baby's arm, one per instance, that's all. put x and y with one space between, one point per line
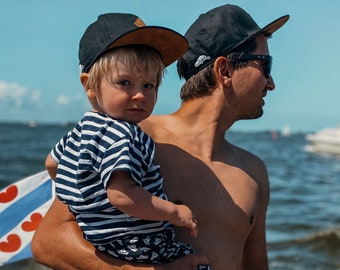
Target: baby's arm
130 198
51 166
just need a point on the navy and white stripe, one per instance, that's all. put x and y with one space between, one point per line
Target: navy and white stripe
86 158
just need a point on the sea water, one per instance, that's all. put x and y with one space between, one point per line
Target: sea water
303 219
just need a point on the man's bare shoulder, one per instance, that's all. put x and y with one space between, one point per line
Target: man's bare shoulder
243 153
155 125
248 161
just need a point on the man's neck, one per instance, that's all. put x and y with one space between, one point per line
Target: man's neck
200 127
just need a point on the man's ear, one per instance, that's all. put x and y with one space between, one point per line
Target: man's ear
84 77
222 70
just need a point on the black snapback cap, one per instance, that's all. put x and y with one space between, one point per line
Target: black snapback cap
220 31
113 30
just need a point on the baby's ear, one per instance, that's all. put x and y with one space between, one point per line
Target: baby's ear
84 78
89 91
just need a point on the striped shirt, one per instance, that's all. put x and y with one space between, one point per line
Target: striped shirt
87 156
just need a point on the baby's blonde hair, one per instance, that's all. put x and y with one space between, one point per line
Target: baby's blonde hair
139 59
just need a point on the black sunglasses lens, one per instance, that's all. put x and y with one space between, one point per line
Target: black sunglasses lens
265 62
267 66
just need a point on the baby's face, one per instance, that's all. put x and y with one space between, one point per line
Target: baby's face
128 97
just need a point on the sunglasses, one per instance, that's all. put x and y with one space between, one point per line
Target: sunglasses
264 60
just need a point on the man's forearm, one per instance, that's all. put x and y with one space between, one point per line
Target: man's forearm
58 243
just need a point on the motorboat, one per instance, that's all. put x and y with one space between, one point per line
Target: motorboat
326 141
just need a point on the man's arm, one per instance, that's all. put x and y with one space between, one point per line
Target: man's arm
255 250
58 243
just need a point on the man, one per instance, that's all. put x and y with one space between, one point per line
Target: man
227 72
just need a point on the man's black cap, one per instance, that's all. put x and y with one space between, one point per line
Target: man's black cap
218 32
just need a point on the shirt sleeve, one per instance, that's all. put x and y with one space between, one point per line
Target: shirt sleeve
59 148
121 157
133 152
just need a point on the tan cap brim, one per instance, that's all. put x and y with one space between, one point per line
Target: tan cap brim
167 42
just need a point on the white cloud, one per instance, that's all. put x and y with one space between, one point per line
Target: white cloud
35 96
13 93
63 100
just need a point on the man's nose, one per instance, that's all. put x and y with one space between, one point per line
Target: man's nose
270 84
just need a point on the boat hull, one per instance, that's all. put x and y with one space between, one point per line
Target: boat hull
324 141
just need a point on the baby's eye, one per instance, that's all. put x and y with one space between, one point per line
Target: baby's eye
125 83
149 86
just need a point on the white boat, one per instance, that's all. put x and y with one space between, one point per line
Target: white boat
324 141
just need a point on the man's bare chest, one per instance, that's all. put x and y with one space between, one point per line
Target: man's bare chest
221 192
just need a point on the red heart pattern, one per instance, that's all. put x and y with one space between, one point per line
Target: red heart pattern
13 243
20 234
33 223
9 194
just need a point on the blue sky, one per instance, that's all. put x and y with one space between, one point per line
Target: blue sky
39 77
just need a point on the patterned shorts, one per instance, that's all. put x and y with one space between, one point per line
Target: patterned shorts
155 248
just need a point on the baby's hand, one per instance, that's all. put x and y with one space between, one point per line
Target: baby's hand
185 218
